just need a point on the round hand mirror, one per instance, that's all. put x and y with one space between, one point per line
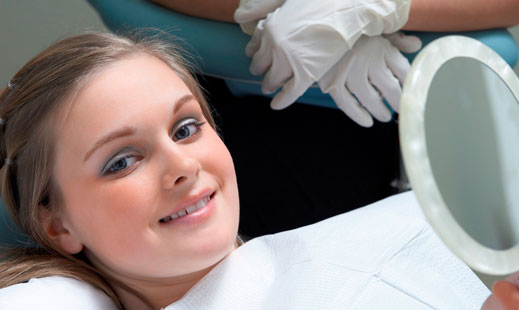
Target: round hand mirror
459 133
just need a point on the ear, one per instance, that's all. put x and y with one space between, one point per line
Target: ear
54 228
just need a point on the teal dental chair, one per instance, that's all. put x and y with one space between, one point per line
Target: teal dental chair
220 46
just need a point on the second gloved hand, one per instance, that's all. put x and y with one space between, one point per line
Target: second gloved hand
371 71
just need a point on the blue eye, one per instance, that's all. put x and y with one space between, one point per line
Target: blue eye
187 129
119 163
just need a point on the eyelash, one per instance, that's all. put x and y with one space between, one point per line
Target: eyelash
109 167
185 123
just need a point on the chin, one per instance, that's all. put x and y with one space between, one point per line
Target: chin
209 252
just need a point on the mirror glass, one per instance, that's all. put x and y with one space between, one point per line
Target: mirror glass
471 125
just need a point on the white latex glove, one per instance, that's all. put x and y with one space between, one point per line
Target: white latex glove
297 43
374 63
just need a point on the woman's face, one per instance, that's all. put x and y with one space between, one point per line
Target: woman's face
149 189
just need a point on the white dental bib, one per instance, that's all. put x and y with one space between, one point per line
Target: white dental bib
383 256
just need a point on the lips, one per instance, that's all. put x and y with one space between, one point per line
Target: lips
197 205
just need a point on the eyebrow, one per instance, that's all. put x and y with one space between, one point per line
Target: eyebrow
123 132
128 131
180 102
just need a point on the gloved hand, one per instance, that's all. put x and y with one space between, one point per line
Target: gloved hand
297 43
372 64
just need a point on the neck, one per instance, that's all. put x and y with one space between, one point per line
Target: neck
154 294
159 293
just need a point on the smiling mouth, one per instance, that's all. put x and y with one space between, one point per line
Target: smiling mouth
190 209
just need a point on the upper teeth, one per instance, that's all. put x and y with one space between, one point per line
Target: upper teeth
190 209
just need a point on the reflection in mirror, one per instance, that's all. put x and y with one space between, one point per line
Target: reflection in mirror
472 138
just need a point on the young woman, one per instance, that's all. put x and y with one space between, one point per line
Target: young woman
111 153
113 165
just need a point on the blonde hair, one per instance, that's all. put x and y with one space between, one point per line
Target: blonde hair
29 106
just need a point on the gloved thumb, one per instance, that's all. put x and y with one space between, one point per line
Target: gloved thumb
290 92
254 10
405 43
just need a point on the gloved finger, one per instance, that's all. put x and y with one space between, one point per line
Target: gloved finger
254 43
292 90
405 43
261 60
369 98
248 28
280 72
254 10
388 85
252 47
350 106
397 63
338 72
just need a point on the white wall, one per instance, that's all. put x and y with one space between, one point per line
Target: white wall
28 26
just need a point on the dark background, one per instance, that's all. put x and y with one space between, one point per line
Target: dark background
301 164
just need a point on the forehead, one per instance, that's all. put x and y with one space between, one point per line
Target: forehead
139 80
113 97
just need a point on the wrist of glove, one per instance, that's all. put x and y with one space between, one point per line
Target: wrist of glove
296 42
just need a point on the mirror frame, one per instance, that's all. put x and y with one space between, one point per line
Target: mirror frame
416 159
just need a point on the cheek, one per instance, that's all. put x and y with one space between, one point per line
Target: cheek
108 214
110 202
219 161
222 166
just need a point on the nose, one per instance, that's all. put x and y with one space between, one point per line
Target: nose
181 168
